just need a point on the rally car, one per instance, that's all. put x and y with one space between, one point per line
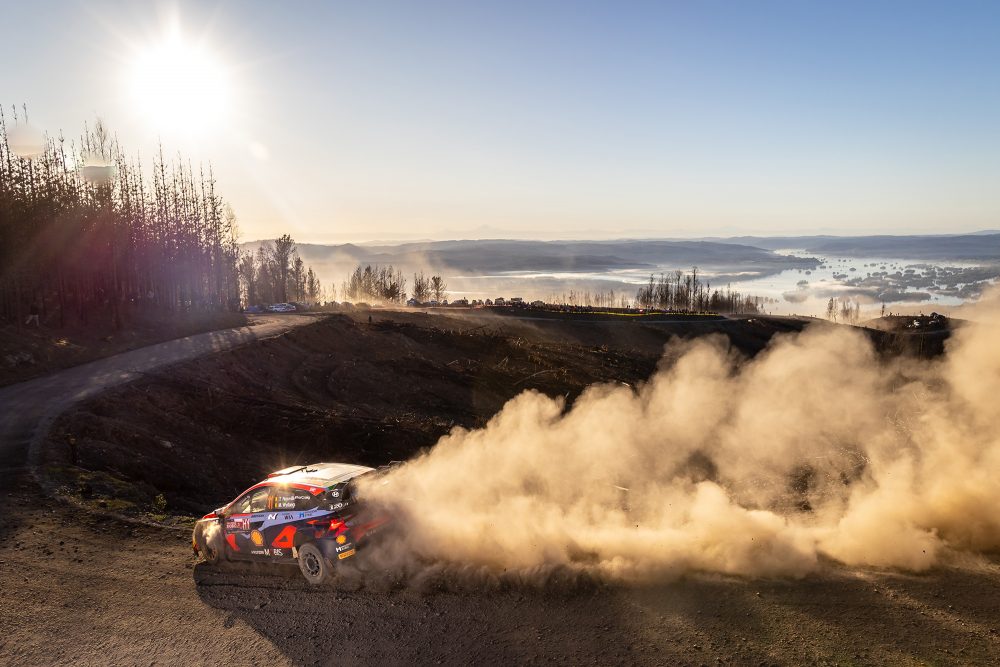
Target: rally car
304 514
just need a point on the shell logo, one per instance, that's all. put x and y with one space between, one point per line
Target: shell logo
257 538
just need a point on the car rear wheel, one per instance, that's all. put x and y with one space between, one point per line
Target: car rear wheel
314 566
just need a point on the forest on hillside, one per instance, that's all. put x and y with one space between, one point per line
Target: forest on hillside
88 231
685 292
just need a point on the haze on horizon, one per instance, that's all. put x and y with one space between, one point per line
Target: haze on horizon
399 121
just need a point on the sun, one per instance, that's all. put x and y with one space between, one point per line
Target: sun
179 86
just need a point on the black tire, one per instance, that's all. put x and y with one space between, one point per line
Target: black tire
313 564
211 554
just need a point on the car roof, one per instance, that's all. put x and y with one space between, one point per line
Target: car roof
318 474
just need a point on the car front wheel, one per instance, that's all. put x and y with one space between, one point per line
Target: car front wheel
209 549
211 555
314 566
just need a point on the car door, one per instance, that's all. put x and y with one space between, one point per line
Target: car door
290 507
243 522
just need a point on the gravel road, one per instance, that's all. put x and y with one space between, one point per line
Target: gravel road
83 590
27 407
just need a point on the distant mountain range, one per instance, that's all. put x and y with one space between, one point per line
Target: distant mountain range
745 255
551 264
501 256
541 268
980 246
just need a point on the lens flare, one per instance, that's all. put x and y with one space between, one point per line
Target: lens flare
179 86
25 141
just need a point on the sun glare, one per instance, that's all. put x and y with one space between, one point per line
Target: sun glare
179 86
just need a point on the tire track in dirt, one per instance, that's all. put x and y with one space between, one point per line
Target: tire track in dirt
27 408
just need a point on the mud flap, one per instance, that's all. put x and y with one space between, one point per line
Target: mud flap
335 552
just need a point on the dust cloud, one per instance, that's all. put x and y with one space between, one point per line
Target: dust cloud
816 451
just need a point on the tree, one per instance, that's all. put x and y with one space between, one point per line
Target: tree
265 275
438 288
831 309
421 287
850 311
298 278
248 276
679 292
375 283
104 238
281 256
312 286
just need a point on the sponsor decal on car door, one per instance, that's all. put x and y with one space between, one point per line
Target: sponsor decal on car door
259 546
237 527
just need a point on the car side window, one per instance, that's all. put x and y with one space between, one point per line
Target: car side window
289 498
255 501
305 501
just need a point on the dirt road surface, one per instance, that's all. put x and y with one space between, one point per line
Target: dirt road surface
29 406
65 601
80 588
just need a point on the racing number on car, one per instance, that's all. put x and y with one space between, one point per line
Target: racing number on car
285 538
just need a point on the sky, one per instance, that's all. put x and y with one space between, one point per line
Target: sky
348 121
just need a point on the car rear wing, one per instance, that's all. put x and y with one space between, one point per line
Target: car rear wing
391 465
286 471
